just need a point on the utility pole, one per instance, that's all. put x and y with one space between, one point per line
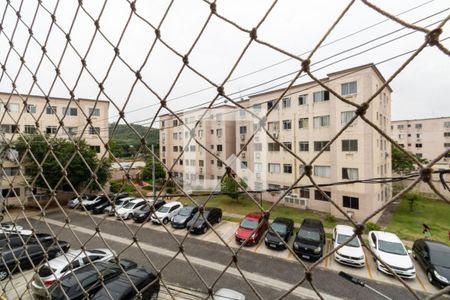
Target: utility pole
153 173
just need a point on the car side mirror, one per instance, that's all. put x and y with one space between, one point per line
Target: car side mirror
409 252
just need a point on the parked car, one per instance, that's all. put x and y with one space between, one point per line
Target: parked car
285 229
181 219
228 294
351 253
126 211
310 240
111 211
88 203
11 239
166 212
99 208
73 203
87 278
198 223
120 287
252 227
21 255
7 228
389 248
143 213
60 266
434 257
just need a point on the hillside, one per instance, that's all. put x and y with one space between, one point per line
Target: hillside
124 137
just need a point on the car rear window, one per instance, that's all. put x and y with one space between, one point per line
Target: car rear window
309 235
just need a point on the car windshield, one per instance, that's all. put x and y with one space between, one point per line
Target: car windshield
308 234
249 224
185 211
279 227
391 247
342 238
164 209
130 205
440 258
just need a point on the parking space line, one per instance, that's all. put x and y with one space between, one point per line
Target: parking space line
369 272
421 283
328 257
210 232
257 246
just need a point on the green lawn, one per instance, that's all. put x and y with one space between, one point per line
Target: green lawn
407 224
244 206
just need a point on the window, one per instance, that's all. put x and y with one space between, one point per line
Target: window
95 148
318 145
243 129
257 147
304 193
446 145
302 99
94 130
409 134
200 133
72 131
163 149
322 171
192 162
243 146
200 163
270 104
273 126
30 129
175 122
418 126
400 127
242 112
13 107
418 135
51 129
286 102
258 167
318 195
446 134
31 108
419 155
219 148
350 173
219 132
418 145
219 163
303 123
287 168
9 128
303 146
348 88
50 110
321 96
244 164
71 111
447 124
346 116
11 171
192 148
288 145
287 124
257 108
95 112
349 145
321 121
274 168
273 147
350 202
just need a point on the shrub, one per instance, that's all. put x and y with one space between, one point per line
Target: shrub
148 188
330 218
169 190
372 226
121 186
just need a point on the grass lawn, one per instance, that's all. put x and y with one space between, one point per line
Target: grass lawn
408 224
245 205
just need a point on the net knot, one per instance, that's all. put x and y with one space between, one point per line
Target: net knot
101 87
158 33
68 37
362 109
305 65
186 59
253 34
359 229
308 170
425 174
433 36
213 7
83 62
97 24
30 31
44 50
221 90
308 276
116 51
133 6
138 75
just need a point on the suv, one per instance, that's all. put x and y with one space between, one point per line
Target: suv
252 227
198 223
310 240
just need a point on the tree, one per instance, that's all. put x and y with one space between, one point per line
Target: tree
160 172
401 163
230 186
78 172
411 197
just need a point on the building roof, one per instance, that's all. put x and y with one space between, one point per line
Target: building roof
420 119
200 108
52 98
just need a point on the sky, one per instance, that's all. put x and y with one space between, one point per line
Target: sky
362 36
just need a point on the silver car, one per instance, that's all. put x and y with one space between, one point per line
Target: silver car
119 203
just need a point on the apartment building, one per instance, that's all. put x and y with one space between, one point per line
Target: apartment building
304 121
22 114
196 168
426 138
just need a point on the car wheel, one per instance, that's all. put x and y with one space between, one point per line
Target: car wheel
3 275
165 221
205 229
429 277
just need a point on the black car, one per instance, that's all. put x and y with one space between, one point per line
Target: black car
20 254
99 208
120 288
143 213
97 201
198 224
285 229
88 276
434 257
186 214
310 240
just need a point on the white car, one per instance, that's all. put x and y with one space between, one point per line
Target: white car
126 211
389 248
166 212
10 228
58 267
119 203
228 294
351 253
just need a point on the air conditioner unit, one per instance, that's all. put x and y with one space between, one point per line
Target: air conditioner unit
201 170
242 137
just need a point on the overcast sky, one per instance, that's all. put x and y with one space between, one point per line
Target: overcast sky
421 91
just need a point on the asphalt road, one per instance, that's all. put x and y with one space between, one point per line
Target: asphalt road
270 277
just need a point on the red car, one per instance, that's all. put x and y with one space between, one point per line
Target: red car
250 228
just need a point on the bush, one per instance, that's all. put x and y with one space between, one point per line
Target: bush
148 188
169 190
372 226
330 219
121 186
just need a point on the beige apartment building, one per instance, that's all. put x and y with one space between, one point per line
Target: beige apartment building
304 121
426 138
38 116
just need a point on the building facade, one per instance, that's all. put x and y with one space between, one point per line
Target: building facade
304 121
22 114
426 138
